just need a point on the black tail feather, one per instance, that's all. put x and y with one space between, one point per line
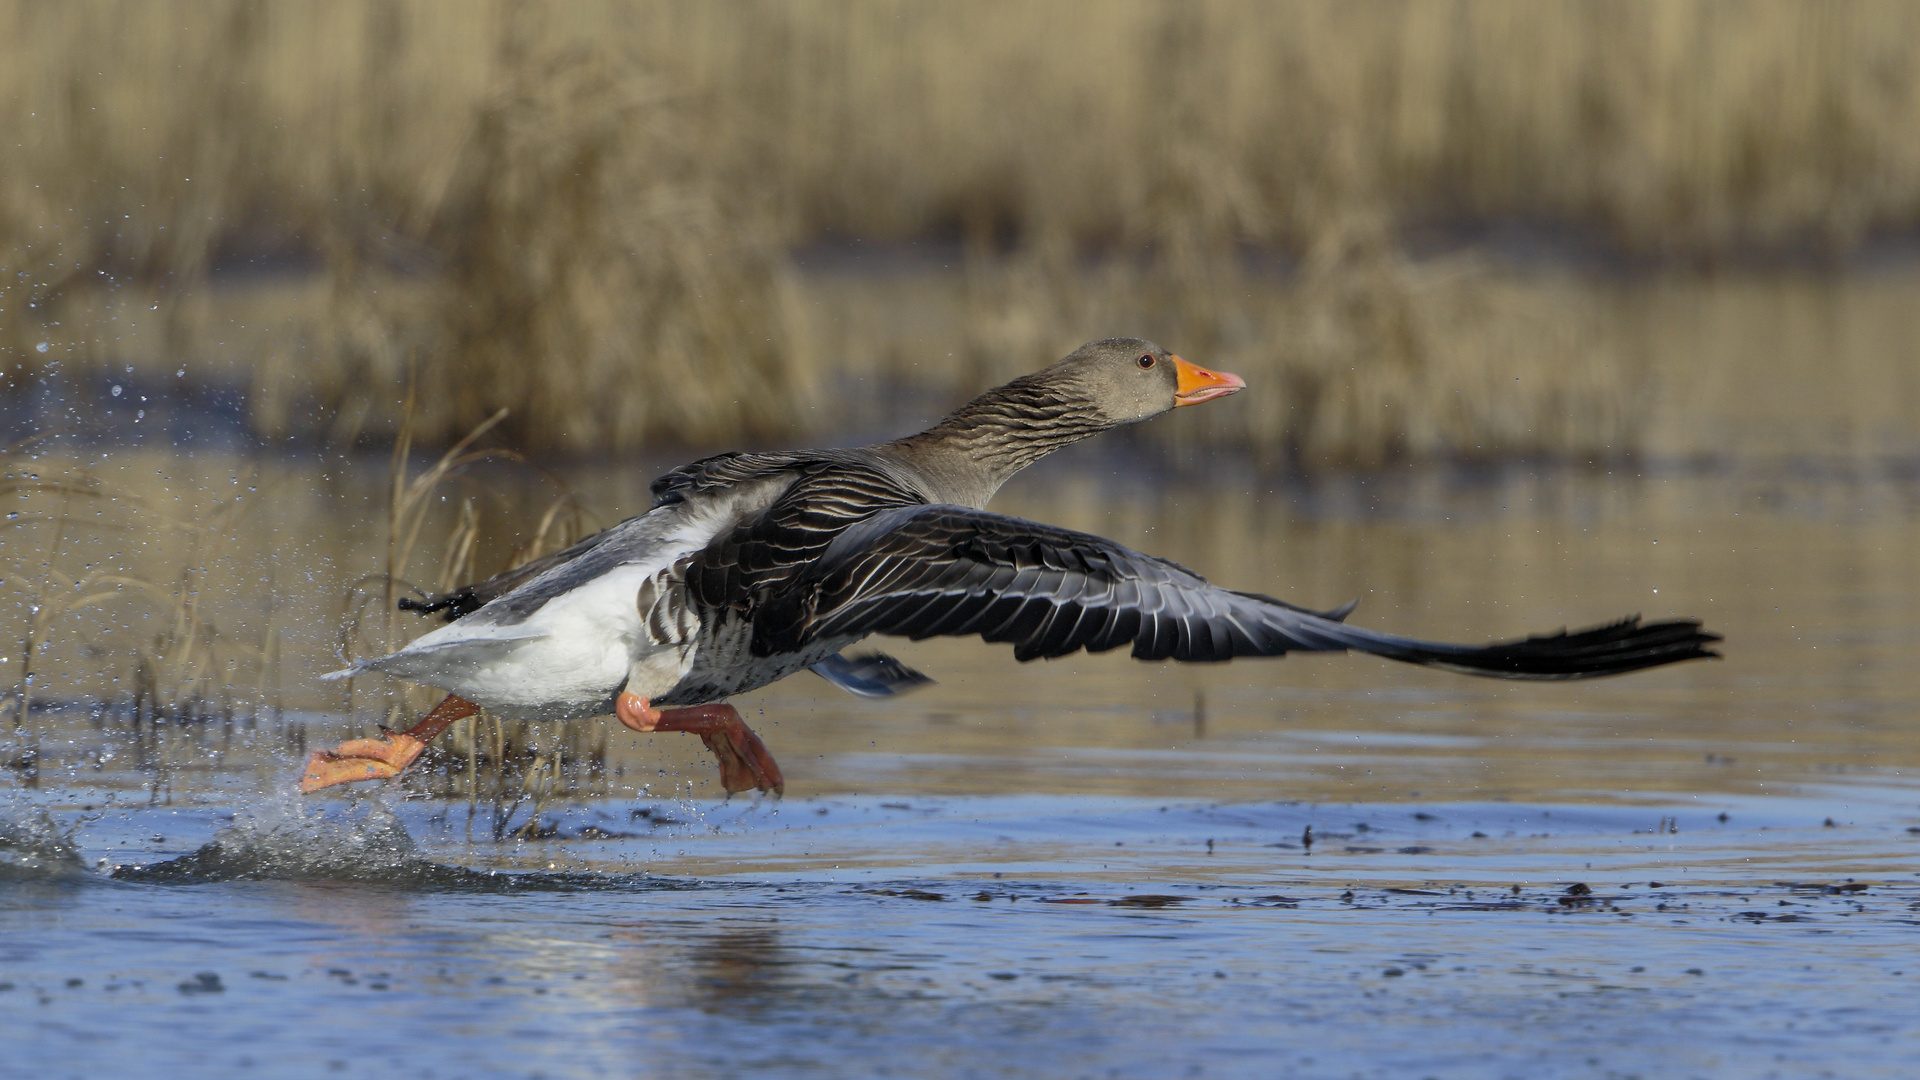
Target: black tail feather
1613 649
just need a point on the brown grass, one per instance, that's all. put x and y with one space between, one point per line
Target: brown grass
70 599
513 761
580 211
161 612
1366 357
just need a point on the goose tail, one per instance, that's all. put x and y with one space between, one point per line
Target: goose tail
1612 649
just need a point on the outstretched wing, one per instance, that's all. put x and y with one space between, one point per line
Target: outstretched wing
923 571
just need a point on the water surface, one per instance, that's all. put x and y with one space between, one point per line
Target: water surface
1090 867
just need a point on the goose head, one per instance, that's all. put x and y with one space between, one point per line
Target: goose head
1127 380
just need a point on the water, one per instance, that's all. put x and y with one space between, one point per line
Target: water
1090 867
1009 935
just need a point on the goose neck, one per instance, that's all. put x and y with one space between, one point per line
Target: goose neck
981 445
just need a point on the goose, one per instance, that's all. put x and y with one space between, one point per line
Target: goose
751 567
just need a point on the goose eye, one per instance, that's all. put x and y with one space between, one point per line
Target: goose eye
1146 361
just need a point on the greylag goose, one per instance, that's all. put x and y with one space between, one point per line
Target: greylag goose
751 567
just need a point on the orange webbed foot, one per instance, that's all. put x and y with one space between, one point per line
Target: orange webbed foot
385 757
360 759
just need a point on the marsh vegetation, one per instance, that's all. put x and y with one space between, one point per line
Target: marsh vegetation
594 215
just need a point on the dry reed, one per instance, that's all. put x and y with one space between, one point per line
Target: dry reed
135 612
61 521
515 760
580 211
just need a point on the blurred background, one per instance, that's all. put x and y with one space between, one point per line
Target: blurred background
1580 230
1518 290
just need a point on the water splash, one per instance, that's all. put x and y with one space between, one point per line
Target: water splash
283 840
36 848
287 839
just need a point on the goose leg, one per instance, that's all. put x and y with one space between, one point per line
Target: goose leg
382 757
744 760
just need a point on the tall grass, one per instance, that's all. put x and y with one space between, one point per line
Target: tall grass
518 213
581 211
130 609
77 592
514 761
1367 356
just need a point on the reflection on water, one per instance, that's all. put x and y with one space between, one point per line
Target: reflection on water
1812 578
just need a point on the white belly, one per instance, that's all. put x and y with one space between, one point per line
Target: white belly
567 660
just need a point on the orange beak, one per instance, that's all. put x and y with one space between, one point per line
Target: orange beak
1197 384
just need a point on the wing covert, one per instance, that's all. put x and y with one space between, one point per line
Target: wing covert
758 559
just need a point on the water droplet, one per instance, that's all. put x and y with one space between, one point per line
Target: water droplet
42 347
116 391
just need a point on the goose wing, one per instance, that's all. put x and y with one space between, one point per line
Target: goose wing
597 553
743 568
923 571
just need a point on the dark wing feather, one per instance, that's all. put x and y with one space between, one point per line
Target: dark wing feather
761 557
921 571
870 675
